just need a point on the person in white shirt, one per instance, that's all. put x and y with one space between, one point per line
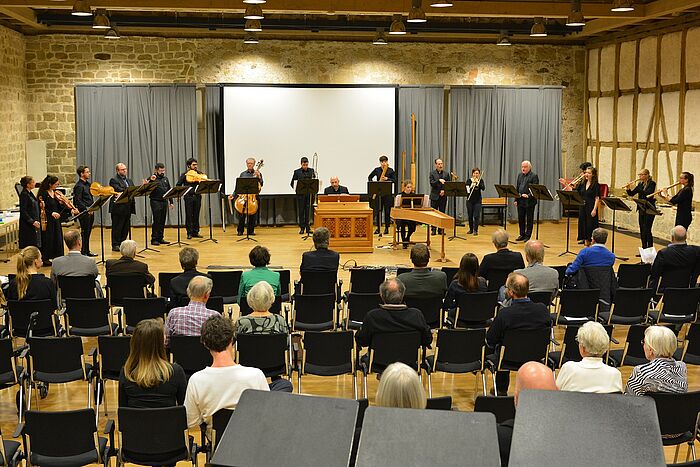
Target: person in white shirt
220 385
590 374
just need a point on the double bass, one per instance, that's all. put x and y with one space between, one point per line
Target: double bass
250 200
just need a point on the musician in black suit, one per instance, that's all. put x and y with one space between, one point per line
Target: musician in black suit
29 214
438 199
303 201
121 213
159 205
644 188
193 201
249 172
383 173
526 203
336 188
82 200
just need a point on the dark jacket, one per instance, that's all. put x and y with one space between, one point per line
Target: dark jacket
523 187
40 287
342 190
82 199
29 213
162 188
503 260
678 264
642 192
182 181
393 318
598 277
475 196
178 287
125 265
390 175
167 394
521 314
435 185
119 185
300 174
424 283
321 260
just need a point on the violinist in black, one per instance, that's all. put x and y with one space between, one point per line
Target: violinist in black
193 201
643 189
383 173
683 200
82 200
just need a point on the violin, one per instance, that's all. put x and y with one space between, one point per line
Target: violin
192 176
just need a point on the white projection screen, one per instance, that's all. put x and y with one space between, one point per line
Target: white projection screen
348 127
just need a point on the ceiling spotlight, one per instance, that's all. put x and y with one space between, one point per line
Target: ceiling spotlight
416 15
397 27
503 39
380 38
538 29
100 21
253 12
576 16
81 8
252 25
251 38
622 6
254 2
441 4
112 34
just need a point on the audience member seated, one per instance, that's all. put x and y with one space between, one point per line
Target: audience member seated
521 314
321 259
220 385
663 373
422 282
261 321
466 280
29 283
503 260
148 379
532 375
73 264
188 320
679 258
393 316
590 374
593 269
541 278
595 255
400 387
127 264
259 258
178 285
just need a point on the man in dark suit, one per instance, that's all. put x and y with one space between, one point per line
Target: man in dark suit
82 199
159 205
423 282
678 263
502 262
193 201
321 259
526 203
521 314
438 200
121 213
128 265
336 188
383 173
303 201
178 285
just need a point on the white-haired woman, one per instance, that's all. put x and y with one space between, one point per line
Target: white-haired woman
591 374
260 298
400 387
663 373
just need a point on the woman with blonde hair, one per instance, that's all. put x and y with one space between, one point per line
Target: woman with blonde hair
400 387
29 283
147 378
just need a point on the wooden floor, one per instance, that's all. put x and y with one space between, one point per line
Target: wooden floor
286 247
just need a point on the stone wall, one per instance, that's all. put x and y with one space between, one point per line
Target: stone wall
56 63
13 113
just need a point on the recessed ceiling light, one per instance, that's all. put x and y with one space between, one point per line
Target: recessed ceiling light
441 4
81 8
620 6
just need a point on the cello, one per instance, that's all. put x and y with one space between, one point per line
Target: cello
250 200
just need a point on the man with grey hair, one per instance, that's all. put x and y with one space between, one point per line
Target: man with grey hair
541 278
189 257
526 203
393 316
678 263
335 188
127 265
249 220
188 320
321 259
495 266
596 255
121 213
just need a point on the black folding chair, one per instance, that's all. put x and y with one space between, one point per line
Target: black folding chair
138 309
633 352
121 286
677 306
219 422
561 270
226 285
519 346
366 280
10 452
630 306
112 352
357 305
401 270
216 304
88 317
497 278
268 352
164 279
459 351
12 374
450 273
314 312
20 316
77 287
245 309
431 307
285 284
678 419
576 306
439 403
320 283
544 298
633 276
189 353
690 353
503 407
476 310
328 354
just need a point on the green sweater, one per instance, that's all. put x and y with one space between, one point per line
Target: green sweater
255 275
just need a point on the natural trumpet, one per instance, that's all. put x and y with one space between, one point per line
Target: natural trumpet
663 189
453 177
629 183
576 180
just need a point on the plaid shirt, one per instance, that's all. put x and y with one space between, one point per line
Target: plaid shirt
187 320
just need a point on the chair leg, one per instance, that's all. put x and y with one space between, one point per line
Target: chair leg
98 387
89 395
483 381
675 455
430 386
298 381
493 375
354 384
364 377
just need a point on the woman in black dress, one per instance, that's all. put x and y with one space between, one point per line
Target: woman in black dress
683 200
588 213
476 186
29 214
52 237
644 188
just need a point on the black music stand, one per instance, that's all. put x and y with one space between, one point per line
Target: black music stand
506 191
307 187
126 197
176 193
540 193
616 204
455 189
376 191
569 199
97 206
247 186
145 190
208 187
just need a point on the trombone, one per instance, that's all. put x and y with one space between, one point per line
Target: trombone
314 164
474 185
663 189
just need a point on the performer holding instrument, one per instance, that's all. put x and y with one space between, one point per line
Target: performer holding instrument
193 201
29 214
405 227
588 213
383 173
159 206
303 201
475 185
121 213
247 206
54 203
526 204
83 200
438 199
643 189
683 200
570 185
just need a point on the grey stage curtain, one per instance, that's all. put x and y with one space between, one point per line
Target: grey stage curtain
496 128
138 125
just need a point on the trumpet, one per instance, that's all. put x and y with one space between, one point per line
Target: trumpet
663 189
629 183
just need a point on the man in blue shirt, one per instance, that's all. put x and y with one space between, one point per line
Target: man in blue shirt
595 255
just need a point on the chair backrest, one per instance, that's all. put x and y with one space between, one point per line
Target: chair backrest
460 345
164 279
503 407
219 422
55 354
7 361
439 403
328 350
476 307
677 277
264 351
20 312
246 309
430 307
359 304
497 278
401 270
366 280
633 276
215 303
225 283
61 434
633 341
579 303
526 345
389 347
120 286
678 413
692 339
319 283
450 272
189 353
562 274
681 301
314 312
632 303
113 352
544 298
285 281
137 427
138 309
87 313
76 287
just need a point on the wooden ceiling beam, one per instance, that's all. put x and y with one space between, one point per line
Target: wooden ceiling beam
24 15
